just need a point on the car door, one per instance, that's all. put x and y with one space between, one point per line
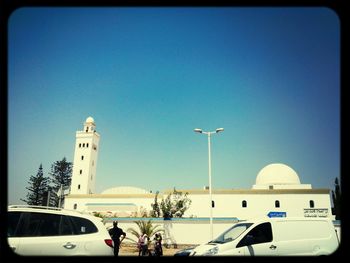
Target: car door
259 241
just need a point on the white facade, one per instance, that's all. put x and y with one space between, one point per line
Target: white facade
241 204
85 159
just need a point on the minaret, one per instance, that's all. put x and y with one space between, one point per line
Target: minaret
85 159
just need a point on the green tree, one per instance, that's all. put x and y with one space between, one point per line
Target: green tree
336 197
144 227
155 212
167 207
38 188
175 204
61 173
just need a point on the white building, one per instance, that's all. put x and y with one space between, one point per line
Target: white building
276 192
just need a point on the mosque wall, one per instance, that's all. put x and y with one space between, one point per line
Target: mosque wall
240 204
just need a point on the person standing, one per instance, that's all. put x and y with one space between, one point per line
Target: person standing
158 245
115 234
144 246
140 242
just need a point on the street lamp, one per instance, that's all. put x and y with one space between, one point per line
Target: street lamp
209 171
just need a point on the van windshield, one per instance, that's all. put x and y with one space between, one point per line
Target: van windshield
231 234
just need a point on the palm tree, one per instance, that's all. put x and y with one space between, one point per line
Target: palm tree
143 228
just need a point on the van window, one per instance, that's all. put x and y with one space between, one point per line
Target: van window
259 234
232 233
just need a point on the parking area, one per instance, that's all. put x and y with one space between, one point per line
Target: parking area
131 250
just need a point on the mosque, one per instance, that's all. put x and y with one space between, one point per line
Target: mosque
277 191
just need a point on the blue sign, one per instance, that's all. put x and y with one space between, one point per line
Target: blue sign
277 214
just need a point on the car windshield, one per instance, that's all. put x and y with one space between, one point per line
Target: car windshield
232 233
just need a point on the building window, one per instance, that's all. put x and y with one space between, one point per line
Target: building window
78 186
244 203
82 157
81 171
79 145
83 145
75 206
87 145
94 147
312 204
277 203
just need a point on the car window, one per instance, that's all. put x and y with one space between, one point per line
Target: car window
40 224
83 225
13 219
66 227
259 234
45 224
232 233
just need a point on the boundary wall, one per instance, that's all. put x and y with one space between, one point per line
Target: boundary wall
184 231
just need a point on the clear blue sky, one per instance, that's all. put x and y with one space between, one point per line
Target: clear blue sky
148 76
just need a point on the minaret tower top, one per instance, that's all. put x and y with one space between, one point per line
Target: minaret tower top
89 125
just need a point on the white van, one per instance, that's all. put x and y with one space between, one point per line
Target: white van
274 237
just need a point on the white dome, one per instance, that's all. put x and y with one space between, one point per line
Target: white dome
125 190
90 119
277 173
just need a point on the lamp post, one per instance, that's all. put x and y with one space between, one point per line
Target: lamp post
209 172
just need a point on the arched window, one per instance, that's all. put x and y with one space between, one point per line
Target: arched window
244 203
75 206
277 203
78 186
312 204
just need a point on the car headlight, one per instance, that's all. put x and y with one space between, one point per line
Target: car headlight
212 251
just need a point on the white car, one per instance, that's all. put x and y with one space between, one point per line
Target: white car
274 237
48 231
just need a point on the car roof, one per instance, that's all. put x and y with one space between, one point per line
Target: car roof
50 210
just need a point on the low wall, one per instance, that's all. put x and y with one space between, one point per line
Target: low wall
178 230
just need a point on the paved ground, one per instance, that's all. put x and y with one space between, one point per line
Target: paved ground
130 250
